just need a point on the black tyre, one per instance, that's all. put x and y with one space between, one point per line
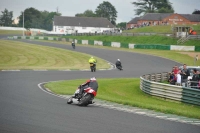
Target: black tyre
69 101
92 69
85 100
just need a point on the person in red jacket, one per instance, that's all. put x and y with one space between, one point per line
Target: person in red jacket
92 83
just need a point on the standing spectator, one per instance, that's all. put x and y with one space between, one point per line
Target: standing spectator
176 69
178 81
171 79
195 79
185 73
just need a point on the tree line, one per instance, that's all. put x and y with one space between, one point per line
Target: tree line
34 18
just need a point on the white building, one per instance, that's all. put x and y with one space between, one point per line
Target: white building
68 25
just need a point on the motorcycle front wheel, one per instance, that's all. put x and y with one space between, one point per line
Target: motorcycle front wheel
69 101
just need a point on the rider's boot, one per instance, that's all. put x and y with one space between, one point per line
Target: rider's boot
91 102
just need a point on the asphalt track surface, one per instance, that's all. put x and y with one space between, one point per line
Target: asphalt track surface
25 108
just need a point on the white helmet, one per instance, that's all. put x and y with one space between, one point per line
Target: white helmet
118 59
93 78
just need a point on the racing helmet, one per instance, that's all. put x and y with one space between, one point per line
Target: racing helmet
118 59
93 78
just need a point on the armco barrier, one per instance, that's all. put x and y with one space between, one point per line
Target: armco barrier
149 84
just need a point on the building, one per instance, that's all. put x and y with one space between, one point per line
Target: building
165 19
133 23
183 19
153 19
68 25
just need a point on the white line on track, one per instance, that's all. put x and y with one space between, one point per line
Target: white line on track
10 70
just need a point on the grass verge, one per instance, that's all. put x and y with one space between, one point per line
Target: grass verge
11 32
126 91
147 40
160 29
19 55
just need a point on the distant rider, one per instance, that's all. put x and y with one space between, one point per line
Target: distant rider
92 61
118 64
73 44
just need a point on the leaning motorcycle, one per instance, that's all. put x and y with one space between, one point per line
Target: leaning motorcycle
84 99
93 67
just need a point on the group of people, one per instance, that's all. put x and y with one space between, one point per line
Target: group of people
179 76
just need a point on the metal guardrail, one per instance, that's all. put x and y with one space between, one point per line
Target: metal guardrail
194 37
149 84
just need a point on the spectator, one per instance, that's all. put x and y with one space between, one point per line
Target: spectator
185 73
175 69
178 81
171 79
195 79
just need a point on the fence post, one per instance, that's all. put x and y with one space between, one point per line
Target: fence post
162 77
150 77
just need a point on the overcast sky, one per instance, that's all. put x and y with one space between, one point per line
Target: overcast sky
71 7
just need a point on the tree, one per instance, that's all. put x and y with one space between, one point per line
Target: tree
153 6
32 18
107 10
47 22
196 11
87 13
6 18
121 25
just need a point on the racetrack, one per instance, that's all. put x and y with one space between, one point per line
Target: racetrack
25 108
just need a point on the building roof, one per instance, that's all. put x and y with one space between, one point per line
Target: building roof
82 21
155 16
134 20
192 17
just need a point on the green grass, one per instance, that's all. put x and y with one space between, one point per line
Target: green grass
152 29
19 55
154 39
126 91
159 29
11 32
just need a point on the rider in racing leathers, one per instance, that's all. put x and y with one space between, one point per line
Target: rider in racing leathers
92 60
118 64
92 83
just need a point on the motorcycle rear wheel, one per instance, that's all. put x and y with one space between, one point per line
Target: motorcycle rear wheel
85 100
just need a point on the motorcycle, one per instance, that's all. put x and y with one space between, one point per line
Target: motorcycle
93 67
119 67
73 45
84 99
